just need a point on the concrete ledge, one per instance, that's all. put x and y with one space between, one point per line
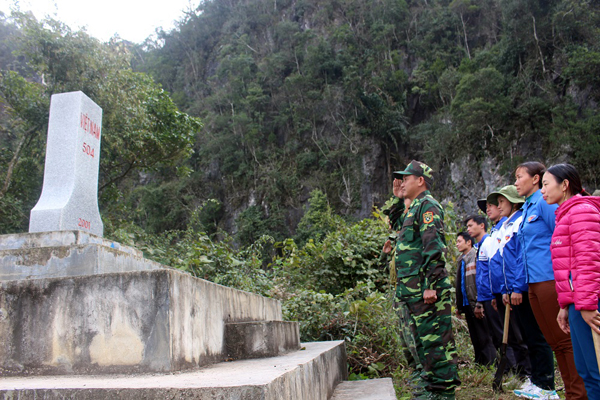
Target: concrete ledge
131 322
66 253
17 241
310 374
258 339
371 389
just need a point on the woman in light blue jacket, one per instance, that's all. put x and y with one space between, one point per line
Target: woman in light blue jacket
535 235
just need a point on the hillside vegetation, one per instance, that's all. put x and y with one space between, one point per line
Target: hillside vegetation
336 94
297 95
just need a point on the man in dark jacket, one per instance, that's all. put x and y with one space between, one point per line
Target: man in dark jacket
466 300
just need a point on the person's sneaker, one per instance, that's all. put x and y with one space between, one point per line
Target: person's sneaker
534 392
530 391
550 395
525 385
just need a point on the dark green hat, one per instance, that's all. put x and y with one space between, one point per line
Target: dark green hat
510 192
482 204
416 168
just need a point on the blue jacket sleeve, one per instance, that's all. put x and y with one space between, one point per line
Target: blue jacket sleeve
484 290
483 280
514 268
496 272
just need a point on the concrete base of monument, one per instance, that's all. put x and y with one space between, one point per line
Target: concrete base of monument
310 374
370 389
258 339
131 322
66 253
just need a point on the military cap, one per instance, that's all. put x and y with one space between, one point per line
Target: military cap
416 168
482 204
510 192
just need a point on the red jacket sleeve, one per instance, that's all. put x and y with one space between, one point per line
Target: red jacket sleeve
585 252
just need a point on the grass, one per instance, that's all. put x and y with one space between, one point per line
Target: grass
476 380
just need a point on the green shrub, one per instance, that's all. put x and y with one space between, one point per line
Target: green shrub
362 316
346 256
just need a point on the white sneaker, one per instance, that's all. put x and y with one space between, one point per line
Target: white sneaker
526 384
535 392
550 395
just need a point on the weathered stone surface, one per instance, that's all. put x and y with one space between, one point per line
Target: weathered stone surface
371 389
310 374
69 199
66 253
15 241
258 339
147 321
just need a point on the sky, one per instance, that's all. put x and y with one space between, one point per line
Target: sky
133 20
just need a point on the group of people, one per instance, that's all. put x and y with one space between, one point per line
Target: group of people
540 259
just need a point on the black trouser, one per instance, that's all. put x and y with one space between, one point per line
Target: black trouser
522 365
485 352
495 324
540 353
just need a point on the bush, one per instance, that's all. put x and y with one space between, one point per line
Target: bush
196 253
346 256
362 316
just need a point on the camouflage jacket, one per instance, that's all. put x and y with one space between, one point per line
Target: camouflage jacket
394 209
421 244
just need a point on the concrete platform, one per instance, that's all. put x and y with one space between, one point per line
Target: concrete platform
66 253
310 374
372 389
130 322
259 339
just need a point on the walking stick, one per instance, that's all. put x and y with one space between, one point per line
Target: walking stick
596 338
497 385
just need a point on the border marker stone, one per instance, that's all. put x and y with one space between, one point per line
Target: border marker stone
69 199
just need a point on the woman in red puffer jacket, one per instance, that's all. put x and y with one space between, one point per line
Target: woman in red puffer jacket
575 251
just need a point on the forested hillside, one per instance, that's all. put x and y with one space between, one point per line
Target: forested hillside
330 94
297 95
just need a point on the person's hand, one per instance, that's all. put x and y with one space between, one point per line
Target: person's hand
397 189
494 304
505 299
563 320
429 296
458 313
387 247
478 311
592 318
516 299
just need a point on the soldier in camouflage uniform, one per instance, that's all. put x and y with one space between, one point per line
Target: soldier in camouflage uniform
395 209
423 283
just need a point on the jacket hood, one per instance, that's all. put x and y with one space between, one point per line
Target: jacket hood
574 201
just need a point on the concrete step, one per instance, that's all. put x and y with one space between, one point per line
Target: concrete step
371 389
130 322
258 339
309 374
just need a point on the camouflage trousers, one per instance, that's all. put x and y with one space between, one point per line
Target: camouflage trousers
407 336
432 334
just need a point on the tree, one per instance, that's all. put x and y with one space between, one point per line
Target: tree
142 128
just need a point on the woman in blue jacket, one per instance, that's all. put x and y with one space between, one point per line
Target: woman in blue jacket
535 234
514 289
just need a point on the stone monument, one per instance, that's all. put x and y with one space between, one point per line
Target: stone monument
69 199
75 306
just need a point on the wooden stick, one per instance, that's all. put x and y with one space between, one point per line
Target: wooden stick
506 323
596 338
497 383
